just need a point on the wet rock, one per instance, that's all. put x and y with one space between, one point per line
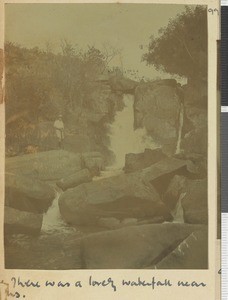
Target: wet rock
93 161
16 221
195 202
133 247
27 194
49 165
191 253
74 180
123 196
138 161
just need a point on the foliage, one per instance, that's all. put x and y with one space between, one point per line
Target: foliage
41 84
181 47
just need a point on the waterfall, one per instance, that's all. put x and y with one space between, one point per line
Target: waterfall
181 122
123 138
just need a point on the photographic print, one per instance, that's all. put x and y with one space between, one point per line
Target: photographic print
106 145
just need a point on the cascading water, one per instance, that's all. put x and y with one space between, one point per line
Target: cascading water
52 220
181 123
123 138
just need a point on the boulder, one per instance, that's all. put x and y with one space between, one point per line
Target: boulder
27 194
74 180
120 197
161 169
195 202
191 253
49 165
138 161
93 161
16 221
123 84
133 247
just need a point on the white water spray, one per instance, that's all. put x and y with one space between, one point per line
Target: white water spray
181 122
123 138
52 220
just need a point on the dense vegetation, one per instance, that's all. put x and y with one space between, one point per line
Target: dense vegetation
41 84
181 47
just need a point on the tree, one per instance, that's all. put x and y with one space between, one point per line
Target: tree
181 47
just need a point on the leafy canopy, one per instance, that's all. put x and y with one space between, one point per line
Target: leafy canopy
181 47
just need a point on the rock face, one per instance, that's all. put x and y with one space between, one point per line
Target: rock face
157 107
138 161
16 221
119 197
27 194
195 202
195 106
49 165
133 247
74 180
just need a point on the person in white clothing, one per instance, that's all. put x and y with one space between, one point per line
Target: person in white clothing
59 129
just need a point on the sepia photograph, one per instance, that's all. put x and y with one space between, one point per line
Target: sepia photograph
106 136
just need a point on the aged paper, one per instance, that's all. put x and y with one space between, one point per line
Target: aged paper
109 150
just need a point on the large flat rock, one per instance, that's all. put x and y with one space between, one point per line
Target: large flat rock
133 247
49 165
